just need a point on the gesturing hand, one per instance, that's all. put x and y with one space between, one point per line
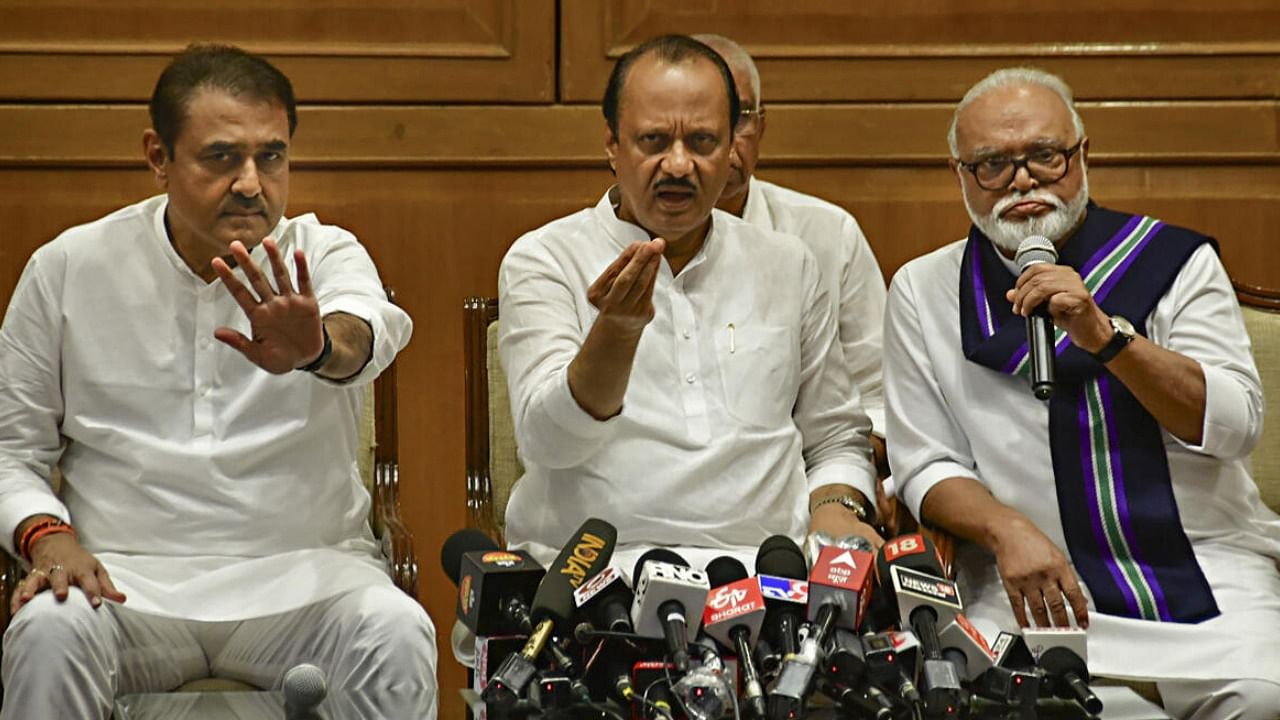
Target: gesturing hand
285 323
1037 575
58 562
624 291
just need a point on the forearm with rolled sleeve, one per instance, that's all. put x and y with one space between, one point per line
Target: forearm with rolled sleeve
1200 317
828 413
30 398
345 281
539 335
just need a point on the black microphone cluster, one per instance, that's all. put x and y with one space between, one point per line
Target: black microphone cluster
880 634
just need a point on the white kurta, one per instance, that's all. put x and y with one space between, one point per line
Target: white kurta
209 488
949 417
849 269
737 406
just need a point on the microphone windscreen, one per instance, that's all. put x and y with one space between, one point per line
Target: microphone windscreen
460 543
658 554
724 570
1060 661
304 687
781 557
1035 249
582 558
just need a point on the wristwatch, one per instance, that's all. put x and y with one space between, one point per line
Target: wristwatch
1124 333
850 503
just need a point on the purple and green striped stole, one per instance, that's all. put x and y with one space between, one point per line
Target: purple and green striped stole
1110 468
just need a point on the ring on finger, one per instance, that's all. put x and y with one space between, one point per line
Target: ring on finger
56 568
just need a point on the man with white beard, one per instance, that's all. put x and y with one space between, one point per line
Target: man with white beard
1124 503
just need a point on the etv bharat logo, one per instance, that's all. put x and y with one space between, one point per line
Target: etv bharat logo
501 559
727 596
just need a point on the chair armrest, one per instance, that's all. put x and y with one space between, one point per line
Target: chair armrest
396 540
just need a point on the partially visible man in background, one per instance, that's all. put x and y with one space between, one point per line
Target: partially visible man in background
204 413
849 268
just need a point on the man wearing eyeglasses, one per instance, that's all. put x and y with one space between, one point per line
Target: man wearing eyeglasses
1124 503
850 271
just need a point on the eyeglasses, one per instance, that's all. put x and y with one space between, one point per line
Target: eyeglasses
749 117
1046 166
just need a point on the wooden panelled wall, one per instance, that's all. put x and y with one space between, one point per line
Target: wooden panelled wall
439 130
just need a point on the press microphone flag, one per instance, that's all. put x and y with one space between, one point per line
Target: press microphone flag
585 555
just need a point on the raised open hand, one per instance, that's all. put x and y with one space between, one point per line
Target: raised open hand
284 322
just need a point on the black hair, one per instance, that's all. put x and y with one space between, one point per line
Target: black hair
216 67
671 49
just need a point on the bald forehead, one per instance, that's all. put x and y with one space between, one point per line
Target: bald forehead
1012 115
652 77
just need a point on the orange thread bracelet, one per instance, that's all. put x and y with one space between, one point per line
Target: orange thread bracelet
40 530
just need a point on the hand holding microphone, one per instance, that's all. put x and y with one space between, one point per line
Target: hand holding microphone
1048 294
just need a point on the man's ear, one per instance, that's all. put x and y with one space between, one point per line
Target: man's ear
611 148
955 170
157 156
1084 150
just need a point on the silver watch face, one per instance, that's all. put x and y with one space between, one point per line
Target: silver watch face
1123 326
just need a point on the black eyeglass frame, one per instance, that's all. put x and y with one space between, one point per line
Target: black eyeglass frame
1024 163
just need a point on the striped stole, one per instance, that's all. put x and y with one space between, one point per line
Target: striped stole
1110 468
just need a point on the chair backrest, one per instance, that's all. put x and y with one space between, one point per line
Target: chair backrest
1261 310
493 461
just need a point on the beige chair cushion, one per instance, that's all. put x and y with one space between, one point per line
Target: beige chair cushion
1264 331
504 459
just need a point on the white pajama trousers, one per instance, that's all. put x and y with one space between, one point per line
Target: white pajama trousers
68 660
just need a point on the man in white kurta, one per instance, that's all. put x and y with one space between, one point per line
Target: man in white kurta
971 448
674 370
736 408
221 520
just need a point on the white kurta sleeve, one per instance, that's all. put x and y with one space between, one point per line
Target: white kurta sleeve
1199 317
832 424
539 334
31 405
926 443
345 280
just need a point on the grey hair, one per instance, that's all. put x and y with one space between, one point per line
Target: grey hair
1015 77
734 54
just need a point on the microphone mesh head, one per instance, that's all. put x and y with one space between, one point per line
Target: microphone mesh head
1035 249
304 686
724 570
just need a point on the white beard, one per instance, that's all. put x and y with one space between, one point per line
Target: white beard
1054 225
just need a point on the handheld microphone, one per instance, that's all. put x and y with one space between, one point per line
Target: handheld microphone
304 688
927 601
892 660
606 601
1062 653
586 554
667 589
783 574
733 615
494 585
1040 346
839 588
966 647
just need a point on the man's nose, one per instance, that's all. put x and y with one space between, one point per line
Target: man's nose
677 162
247 183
